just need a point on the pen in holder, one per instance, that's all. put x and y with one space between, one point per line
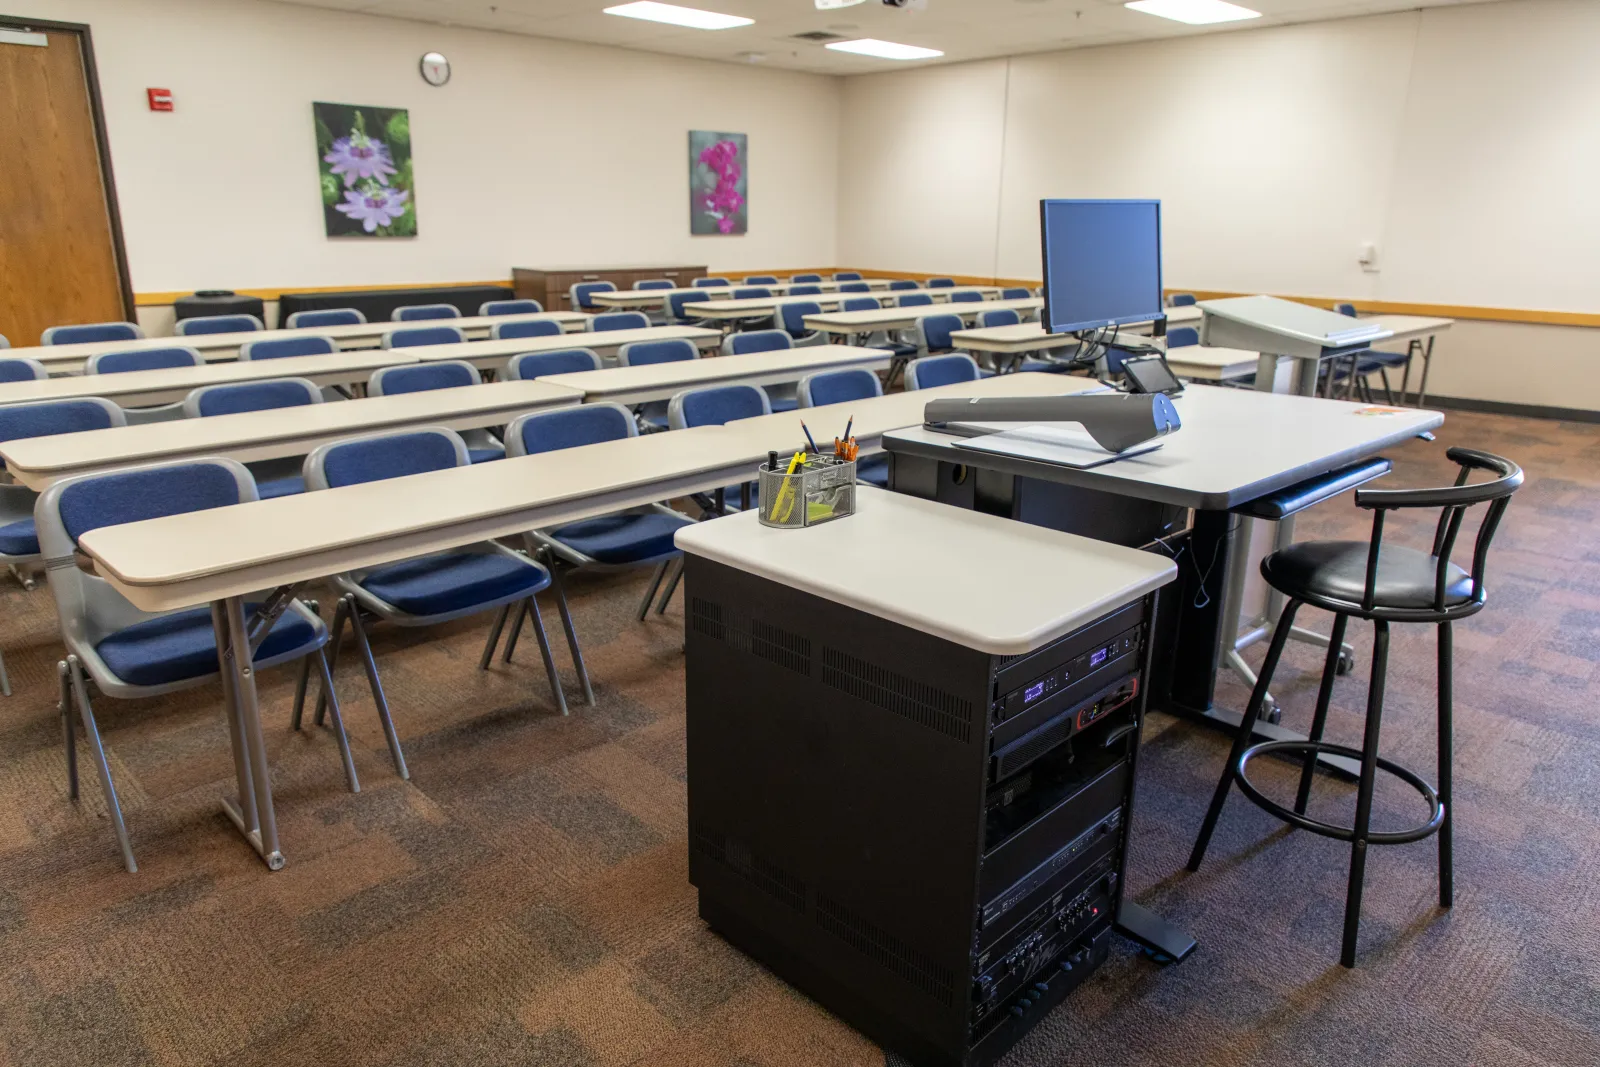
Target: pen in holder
823 488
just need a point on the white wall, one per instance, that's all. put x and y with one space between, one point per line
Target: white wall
537 151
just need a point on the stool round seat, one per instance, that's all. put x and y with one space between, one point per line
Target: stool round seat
1339 833
1333 575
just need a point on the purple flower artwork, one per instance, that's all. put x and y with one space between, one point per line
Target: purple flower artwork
719 185
364 166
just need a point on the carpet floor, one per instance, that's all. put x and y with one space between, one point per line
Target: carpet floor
523 899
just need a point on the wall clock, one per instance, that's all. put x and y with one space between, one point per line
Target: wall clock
435 68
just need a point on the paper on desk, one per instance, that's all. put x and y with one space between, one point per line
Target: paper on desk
1065 446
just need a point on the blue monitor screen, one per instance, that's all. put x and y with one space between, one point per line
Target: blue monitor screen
1102 262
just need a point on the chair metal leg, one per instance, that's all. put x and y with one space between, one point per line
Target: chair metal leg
1447 877
572 631
650 591
5 677
549 660
300 691
1369 774
1319 721
365 648
672 586
341 611
1243 737
494 637
92 732
516 628
338 720
69 736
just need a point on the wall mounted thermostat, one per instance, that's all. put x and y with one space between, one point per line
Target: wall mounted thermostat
435 68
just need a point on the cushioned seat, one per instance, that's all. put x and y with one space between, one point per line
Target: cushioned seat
486 455
272 488
19 538
171 648
1337 570
628 537
435 585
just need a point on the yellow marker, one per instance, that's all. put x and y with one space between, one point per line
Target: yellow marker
787 491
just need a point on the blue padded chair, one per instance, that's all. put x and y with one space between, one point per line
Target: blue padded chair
902 284
675 304
581 292
619 320
792 317
311 344
219 324
1182 337
939 283
1015 293
933 333
1180 300
752 293
427 590
762 279
530 365
424 312
274 477
482 446
653 414
638 537
855 287
911 300
326 317
500 331
711 283
22 369
860 303
847 276
806 278
1373 361
138 359
510 307
948 369
805 290
128 653
966 296
779 397
998 317
715 406
655 283
93 331
416 336
844 387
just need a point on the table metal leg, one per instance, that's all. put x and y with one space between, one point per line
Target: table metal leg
253 814
1427 364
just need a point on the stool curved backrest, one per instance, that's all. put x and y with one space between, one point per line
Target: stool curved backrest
311 344
998 317
838 387
741 344
619 320
640 353
531 365
792 315
380 456
237 397
22 369
91 331
525 328
1182 337
422 312
326 317
142 359
219 324
860 303
415 336
582 424
949 369
422 377
716 406
510 307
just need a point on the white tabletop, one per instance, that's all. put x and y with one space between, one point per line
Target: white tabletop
1410 327
1032 586
733 309
38 461
887 318
1023 337
493 355
1212 364
660 381
144 387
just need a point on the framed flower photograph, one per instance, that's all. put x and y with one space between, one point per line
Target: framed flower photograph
719 182
364 164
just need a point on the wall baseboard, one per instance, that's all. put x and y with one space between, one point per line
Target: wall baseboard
1527 411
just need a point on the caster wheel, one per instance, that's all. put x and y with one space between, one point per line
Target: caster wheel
1271 712
1347 663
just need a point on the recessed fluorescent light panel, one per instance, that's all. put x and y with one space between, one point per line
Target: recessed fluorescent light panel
1194 12
884 49
674 15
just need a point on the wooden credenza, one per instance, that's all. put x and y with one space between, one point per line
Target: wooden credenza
551 285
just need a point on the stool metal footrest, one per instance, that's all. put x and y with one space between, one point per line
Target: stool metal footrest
1340 833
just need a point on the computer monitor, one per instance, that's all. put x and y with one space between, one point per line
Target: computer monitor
1102 263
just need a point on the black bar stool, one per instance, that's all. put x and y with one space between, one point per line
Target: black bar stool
1384 583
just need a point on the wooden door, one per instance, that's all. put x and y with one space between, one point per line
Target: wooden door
59 262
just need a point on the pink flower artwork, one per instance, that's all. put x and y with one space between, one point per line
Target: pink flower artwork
717 203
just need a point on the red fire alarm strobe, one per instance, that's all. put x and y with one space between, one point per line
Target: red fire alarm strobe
160 99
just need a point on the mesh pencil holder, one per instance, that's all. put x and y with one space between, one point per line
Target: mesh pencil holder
822 490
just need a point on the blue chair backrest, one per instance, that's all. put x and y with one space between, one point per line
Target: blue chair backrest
1346 309
50 417
510 307
639 353
966 296
806 278
219 324
582 424
251 396
855 287
911 300
677 301
415 336
793 314
1016 292
421 377
118 497
861 303
742 344
1182 300
1182 337
619 320
762 279
525 328
93 331
21 369
838 387
847 276
141 359
999 317
900 284
326 317
313 344
584 290
717 405
939 283
931 371
382 456
711 283
656 283
805 290
756 293
422 312
532 365
936 330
